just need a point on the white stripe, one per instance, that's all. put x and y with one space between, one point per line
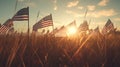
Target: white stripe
20 19
21 16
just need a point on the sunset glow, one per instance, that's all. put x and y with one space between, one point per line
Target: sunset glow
71 30
63 12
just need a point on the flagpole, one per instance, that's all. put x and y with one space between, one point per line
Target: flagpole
16 5
37 15
28 25
28 20
85 14
53 30
52 25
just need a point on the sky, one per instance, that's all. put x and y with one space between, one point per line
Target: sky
63 12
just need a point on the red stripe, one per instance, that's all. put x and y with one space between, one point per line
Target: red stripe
46 23
3 29
21 18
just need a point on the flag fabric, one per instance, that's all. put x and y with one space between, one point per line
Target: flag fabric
44 22
84 26
54 31
8 23
108 27
21 15
60 29
61 32
11 30
96 29
72 24
6 26
3 29
96 33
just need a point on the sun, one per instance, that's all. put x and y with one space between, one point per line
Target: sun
71 30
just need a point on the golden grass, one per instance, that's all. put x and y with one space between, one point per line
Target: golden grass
94 50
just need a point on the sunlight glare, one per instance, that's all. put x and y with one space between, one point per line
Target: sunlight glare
71 30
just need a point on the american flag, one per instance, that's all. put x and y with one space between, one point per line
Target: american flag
60 29
61 32
108 27
73 23
21 15
44 22
6 26
84 26
3 29
96 29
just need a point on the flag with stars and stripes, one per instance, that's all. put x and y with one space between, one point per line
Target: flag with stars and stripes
21 15
44 22
108 27
6 26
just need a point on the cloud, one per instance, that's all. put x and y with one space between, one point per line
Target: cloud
80 7
75 14
55 7
104 13
54 1
91 7
97 14
117 19
103 2
55 4
72 3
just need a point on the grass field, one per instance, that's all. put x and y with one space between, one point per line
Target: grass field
94 50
